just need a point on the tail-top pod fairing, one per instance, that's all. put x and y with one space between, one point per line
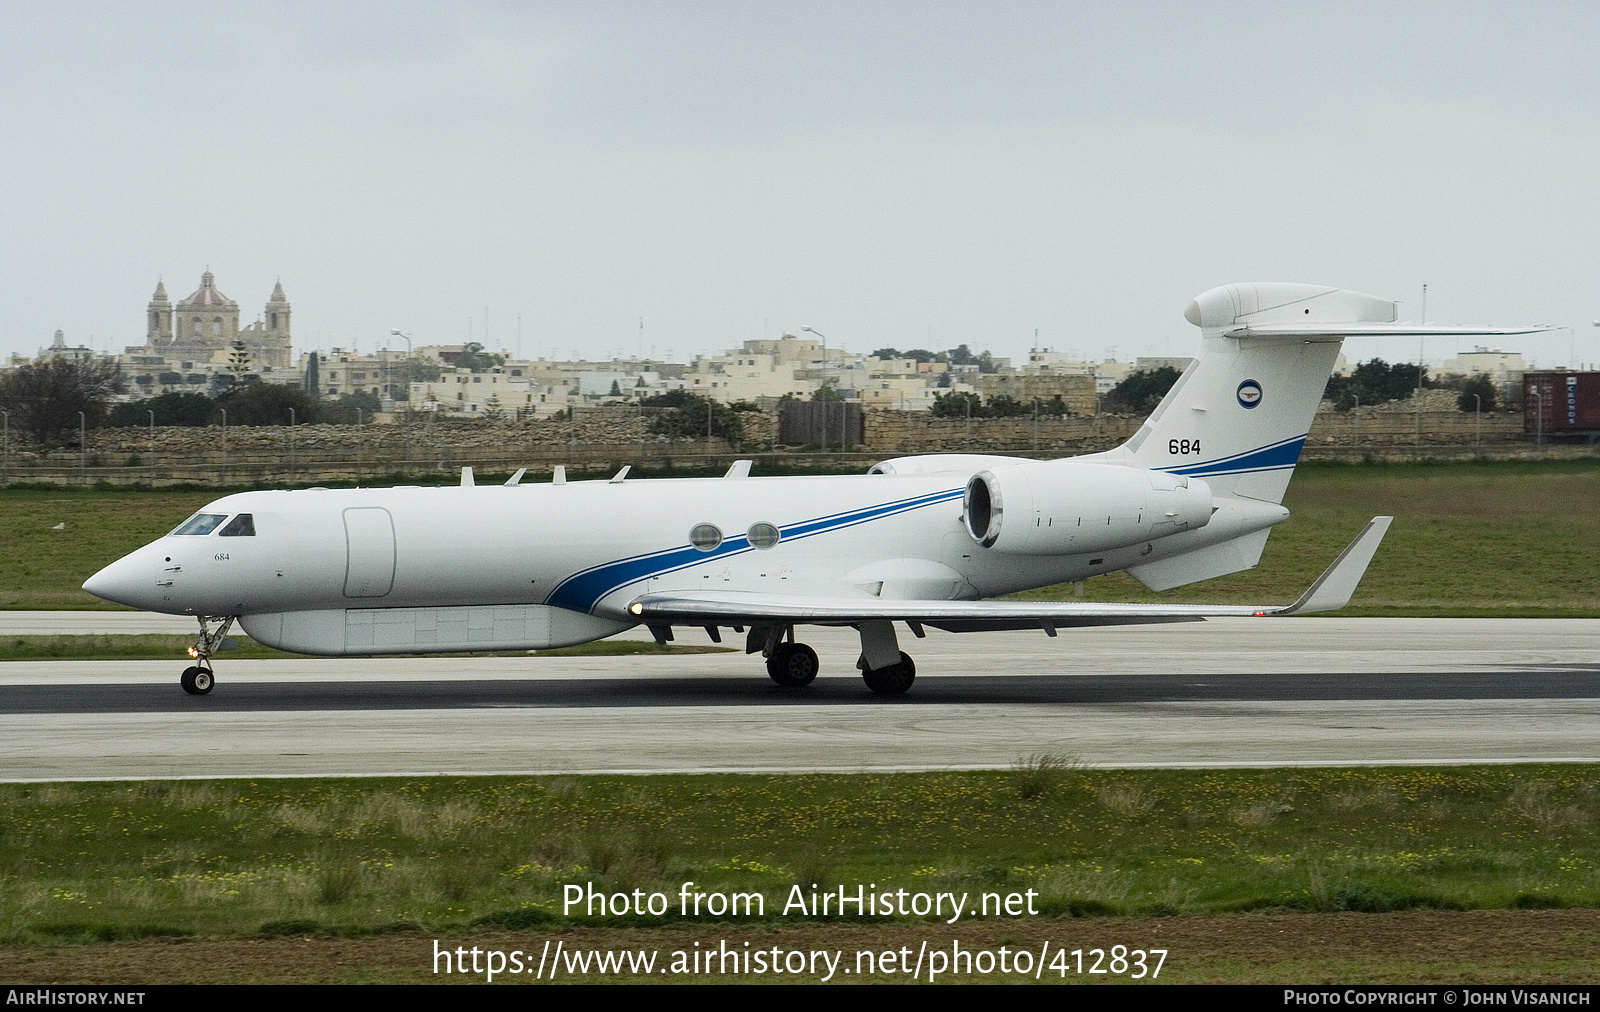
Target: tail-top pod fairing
919 540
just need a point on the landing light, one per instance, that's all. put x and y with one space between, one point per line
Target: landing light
193 652
636 608
1259 614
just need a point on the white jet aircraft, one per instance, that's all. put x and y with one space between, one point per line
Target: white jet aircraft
921 540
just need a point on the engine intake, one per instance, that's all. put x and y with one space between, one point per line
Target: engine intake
1062 508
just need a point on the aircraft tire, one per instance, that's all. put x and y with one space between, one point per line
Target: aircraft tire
197 681
892 680
793 665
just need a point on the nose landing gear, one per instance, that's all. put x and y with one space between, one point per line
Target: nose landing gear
199 679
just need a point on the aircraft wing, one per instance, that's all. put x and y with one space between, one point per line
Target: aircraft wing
1330 591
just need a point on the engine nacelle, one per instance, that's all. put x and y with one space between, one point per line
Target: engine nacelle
1062 508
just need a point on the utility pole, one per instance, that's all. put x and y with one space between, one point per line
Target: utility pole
823 390
1420 338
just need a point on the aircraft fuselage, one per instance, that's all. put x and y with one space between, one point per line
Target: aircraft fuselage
588 548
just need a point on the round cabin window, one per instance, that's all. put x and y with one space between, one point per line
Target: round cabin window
705 537
763 535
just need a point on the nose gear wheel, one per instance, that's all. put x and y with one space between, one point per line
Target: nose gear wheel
199 679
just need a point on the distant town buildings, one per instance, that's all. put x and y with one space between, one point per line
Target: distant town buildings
199 344
59 349
1501 367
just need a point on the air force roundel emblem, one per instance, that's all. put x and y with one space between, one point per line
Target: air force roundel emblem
1249 394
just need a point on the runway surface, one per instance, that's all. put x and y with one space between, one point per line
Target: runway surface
1315 691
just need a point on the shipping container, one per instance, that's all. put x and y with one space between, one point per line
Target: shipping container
1561 406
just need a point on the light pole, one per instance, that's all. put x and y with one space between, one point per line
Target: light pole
152 444
1477 419
5 455
224 429
291 444
824 388
1421 366
83 449
407 339
1538 418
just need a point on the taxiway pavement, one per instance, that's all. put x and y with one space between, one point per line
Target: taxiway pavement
1313 691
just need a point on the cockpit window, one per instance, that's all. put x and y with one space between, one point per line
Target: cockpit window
241 526
201 523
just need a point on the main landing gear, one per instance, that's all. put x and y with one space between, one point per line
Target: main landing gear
198 679
892 679
793 665
885 668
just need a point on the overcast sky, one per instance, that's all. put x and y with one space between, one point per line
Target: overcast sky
915 175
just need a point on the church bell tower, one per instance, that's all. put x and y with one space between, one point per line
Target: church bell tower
158 324
276 319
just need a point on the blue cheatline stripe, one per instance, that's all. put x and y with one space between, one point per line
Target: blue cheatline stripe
1275 457
582 591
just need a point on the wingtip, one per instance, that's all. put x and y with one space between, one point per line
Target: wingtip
1334 588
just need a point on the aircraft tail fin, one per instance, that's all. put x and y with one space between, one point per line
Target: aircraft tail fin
1239 415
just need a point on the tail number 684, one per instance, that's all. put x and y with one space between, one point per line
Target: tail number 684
1178 447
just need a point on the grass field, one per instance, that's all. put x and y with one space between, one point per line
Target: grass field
112 860
1494 539
1500 538
1402 947
1456 874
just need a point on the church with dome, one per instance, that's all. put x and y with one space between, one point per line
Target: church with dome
205 327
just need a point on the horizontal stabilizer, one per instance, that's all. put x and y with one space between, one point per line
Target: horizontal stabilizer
1373 330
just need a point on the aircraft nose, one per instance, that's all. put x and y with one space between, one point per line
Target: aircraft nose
121 583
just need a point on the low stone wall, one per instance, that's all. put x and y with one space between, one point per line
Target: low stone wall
899 433
596 439
1077 393
417 438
